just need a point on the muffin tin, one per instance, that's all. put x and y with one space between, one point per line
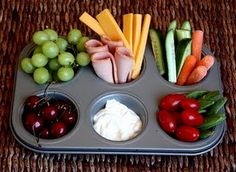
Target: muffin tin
90 93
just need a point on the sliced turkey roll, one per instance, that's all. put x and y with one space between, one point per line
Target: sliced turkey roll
111 44
124 63
104 66
95 46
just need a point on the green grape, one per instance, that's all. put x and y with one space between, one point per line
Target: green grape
40 37
66 58
50 49
65 73
54 64
52 34
80 44
73 36
83 59
38 49
26 65
41 75
62 44
39 60
50 77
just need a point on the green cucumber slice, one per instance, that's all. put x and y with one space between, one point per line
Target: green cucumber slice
186 25
170 56
182 51
157 48
172 25
182 34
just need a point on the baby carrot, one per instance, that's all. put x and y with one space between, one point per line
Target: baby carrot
206 61
197 74
197 41
187 68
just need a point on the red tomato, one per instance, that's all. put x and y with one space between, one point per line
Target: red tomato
191 117
187 133
171 102
166 121
177 116
190 104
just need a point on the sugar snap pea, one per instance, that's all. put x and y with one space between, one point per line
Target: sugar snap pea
205 104
215 108
196 94
206 133
202 111
212 121
211 96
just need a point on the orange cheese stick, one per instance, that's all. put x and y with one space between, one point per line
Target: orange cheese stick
92 23
141 47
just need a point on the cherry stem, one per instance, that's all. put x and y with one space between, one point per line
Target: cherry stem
36 137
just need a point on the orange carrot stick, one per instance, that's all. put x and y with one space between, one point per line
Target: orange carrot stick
197 41
206 61
187 68
197 74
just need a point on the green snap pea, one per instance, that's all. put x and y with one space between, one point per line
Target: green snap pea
212 121
205 104
211 96
196 94
202 111
206 133
215 108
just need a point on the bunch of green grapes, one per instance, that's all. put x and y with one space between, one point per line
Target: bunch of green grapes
52 60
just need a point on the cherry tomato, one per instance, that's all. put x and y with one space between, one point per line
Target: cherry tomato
177 116
171 102
187 133
166 121
190 104
191 117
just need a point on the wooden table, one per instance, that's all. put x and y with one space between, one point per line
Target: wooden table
20 19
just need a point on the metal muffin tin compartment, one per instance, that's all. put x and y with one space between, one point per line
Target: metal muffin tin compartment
89 94
28 137
127 99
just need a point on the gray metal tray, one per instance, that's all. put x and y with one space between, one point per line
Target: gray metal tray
89 94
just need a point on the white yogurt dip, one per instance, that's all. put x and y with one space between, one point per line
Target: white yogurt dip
117 122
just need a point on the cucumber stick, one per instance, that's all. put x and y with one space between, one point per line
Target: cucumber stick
186 25
170 56
172 25
182 34
182 51
157 48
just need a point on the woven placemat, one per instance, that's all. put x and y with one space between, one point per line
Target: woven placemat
20 19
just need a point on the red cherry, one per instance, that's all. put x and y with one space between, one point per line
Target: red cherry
69 118
50 113
32 102
45 133
33 122
62 106
58 129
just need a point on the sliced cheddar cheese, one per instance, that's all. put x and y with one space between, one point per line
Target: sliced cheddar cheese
137 24
141 46
128 28
110 27
92 23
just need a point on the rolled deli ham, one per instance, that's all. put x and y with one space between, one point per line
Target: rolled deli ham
104 66
124 63
111 44
95 46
